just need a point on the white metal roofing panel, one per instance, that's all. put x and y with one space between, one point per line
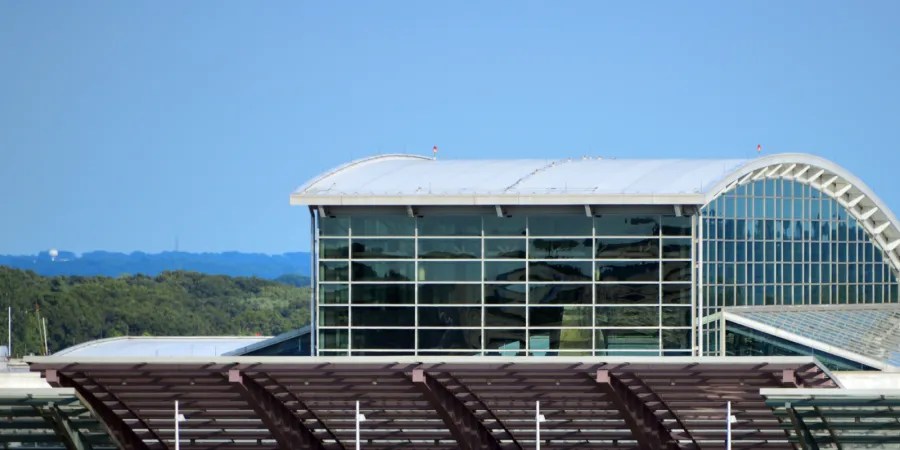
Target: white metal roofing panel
159 346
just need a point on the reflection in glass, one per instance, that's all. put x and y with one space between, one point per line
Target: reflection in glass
508 342
559 271
676 271
677 339
560 248
504 226
626 225
627 294
449 339
563 225
677 226
450 316
677 294
504 248
504 294
676 316
627 248
375 248
334 293
547 342
627 316
448 294
334 271
334 226
383 271
559 316
334 316
383 225
639 342
504 316
632 271
383 316
677 248
334 248
449 271
450 226
335 339
363 338
560 294
432 248
504 271
383 294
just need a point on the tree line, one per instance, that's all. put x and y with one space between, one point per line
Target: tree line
176 303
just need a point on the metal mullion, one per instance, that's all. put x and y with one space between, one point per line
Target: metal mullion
481 299
527 285
694 281
416 286
593 286
659 288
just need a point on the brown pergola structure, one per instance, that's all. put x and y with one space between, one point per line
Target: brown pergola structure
473 402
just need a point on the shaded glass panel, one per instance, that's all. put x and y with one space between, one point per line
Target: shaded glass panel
334 316
363 338
549 341
450 339
383 271
336 339
626 225
627 248
504 271
677 248
627 316
334 271
334 248
450 226
676 339
505 248
449 271
450 316
627 294
505 342
632 271
374 248
383 294
562 225
383 225
386 316
676 271
639 342
677 294
504 226
449 294
334 226
560 316
334 293
559 271
560 294
673 316
504 316
450 248
679 226
560 248
504 294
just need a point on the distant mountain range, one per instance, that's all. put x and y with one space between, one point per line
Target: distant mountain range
293 267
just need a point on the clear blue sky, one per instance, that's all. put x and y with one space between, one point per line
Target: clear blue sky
126 124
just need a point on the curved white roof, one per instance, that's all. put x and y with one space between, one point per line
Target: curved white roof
139 346
419 180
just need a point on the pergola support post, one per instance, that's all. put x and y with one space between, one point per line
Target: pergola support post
72 439
646 428
288 431
469 432
118 430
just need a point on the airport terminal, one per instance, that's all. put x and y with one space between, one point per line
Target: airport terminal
586 302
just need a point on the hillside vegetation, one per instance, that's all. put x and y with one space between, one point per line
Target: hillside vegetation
80 309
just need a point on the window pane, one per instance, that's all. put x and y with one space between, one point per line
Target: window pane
626 225
679 226
676 339
560 294
558 316
504 226
450 339
333 271
334 226
504 248
383 271
563 225
450 248
336 339
560 249
635 340
676 316
334 293
334 316
627 248
504 271
509 342
450 271
449 294
559 271
504 316
386 316
449 316
628 271
383 294
676 270
450 226
383 339
677 248
383 225
542 342
628 316
616 294
677 294
334 248
504 294
383 248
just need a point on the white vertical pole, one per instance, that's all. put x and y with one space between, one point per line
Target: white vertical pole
177 429
9 339
537 424
357 426
728 426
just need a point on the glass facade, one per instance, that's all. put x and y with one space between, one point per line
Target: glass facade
781 242
522 285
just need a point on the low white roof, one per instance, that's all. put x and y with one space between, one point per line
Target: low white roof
140 346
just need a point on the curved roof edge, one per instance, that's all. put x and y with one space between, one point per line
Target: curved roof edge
306 186
114 340
878 221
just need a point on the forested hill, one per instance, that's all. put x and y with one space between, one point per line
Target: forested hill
80 309
111 264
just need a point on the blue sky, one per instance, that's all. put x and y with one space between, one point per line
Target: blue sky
124 125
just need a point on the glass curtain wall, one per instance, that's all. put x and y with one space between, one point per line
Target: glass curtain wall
781 242
536 285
